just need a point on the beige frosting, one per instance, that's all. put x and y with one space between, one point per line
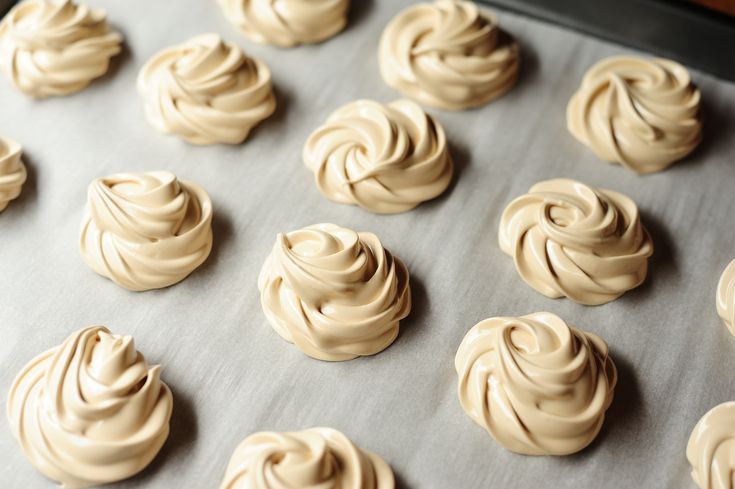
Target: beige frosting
571 240
146 230
55 47
642 113
726 297
335 293
711 448
91 410
311 459
384 158
12 171
536 384
448 54
287 23
206 91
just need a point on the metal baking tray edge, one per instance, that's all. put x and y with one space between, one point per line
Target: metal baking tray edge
695 36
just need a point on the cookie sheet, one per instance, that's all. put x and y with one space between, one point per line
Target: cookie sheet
232 375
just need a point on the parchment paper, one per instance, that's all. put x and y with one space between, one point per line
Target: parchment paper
232 375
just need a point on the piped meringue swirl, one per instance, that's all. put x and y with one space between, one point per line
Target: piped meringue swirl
335 293
641 113
287 23
536 384
726 297
448 54
12 171
384 158
206 91
311 459
90 411
52 47
146 230
711 448
571 240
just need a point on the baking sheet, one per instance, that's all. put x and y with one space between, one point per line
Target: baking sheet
232 375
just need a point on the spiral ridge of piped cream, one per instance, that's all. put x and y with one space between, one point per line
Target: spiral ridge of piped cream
316 457
537 385
569 239
386 158
90 411
448 54
145 230
642 113
13 171
334 293
206 91
711 448
55 47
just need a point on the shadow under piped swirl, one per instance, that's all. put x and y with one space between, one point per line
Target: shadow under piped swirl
182 436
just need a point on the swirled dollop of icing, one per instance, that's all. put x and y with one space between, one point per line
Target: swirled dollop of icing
536 384
448 54
384 158
12 171
287 23
146 230
711 448
333 292
726 297
641 113
55 47
311 459
206 91
572 240
90 411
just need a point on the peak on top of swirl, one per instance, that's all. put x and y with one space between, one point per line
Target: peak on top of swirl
537 385
146 230
91 410
316 457
335 293
568 239
287 23
50 47
206 91
384 158
448 54
641 113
